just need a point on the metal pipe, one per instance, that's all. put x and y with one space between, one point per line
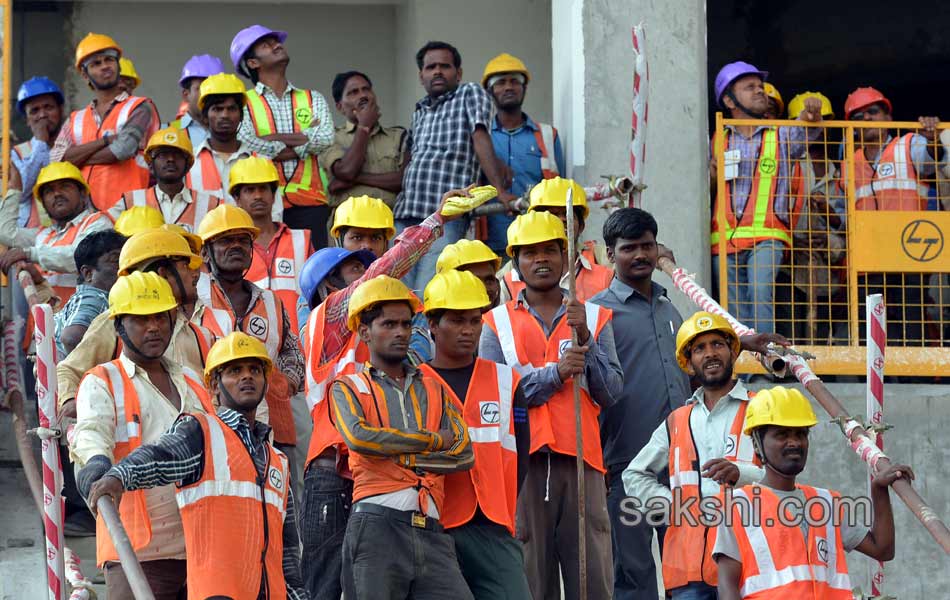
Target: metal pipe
120 539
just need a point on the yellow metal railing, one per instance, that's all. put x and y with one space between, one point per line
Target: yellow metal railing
837 245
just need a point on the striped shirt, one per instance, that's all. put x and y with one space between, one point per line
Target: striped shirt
178 457
441 148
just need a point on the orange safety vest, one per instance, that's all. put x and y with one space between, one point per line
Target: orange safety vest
38 217
526 348
778 562
375 475
544 136
759 221
264 321
687 551
306 186
281 275
195 211
590 282
319 376
204 175
492 484
892 184
234 519
109 181
64 284
128 436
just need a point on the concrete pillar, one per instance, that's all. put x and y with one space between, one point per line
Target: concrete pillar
593 91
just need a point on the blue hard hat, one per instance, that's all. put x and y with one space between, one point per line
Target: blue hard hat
322 263
36 86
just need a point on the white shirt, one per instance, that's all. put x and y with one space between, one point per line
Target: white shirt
710 429
173 206
95 434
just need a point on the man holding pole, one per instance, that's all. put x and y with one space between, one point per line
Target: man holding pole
228 475
532 334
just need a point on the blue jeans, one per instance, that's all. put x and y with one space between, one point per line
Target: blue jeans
695 591
751 283
420 274
498 232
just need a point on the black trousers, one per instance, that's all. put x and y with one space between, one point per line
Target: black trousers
635 576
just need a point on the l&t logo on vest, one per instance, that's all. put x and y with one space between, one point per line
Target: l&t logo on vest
275 479
490 412
767 166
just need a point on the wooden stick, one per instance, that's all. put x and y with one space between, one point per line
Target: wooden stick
128 560
578 421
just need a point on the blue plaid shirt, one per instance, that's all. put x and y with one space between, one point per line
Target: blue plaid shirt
82 307
443 154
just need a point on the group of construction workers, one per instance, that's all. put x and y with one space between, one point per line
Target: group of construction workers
786 188
289 401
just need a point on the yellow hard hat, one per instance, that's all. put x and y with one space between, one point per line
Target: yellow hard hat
533 228
93 43
698 324
363 211
236 346
58 171
171 137
155 244
772 92
222 83
466 252
140 293
226 219
797 104
553 192
138 218
127 69
455 290
253 170
786 407
381 288
505 63
194 240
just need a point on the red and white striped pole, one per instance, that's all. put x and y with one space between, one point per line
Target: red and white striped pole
639 116
52 471
876 342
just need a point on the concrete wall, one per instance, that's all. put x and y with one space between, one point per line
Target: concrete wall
920 418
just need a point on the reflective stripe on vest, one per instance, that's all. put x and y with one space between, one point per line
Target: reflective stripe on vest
806 576
762 194
204 175
282 275
303 188
526 348
233 511
886 185
188 218
492 484
64 284
544 136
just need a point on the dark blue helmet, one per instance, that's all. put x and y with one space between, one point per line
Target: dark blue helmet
36 86
322 263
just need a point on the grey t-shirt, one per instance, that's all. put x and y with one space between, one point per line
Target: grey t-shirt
726 543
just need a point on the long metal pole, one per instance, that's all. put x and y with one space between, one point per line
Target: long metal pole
128 560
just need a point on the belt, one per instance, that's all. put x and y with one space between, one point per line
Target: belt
324 463
409 517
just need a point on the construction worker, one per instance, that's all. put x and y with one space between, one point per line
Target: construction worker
363 223
476 258
530 149
703 447
106 138
399 454
193 74
328 280
97 261
222 105
230 535
286 124
757 208
169 156
776 104
366 158
128 76
480 504
128 402
593 276
65 196
233 303
138 218
803 559
40 102
889 174
279 252
532 334
157 251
